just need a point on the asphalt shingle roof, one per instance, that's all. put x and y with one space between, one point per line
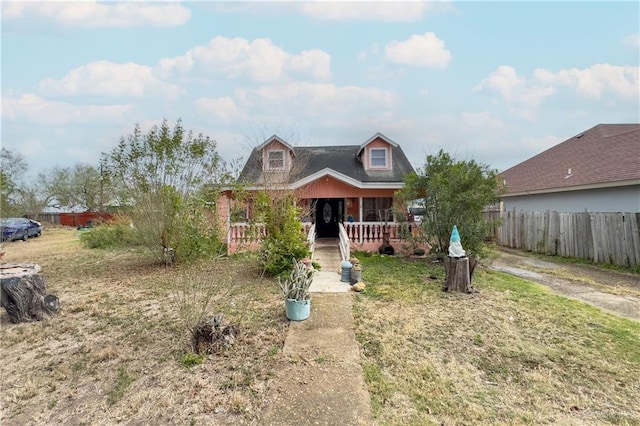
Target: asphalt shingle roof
342 159
606 153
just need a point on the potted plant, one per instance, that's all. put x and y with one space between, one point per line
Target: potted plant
295 290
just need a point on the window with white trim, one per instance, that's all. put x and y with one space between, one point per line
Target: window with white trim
275 160
378 157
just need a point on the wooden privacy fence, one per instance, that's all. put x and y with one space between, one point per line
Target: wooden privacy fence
601 237
73 219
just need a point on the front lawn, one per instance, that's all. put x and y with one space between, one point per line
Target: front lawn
118 351
514 353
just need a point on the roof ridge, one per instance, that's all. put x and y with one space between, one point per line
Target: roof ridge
633 127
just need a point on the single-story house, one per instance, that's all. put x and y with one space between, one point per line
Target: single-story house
597 170
347 191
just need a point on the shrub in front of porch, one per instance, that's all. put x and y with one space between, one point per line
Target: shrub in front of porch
285 239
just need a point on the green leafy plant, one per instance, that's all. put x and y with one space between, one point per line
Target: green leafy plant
453 193
285 239
297 285
110 235
162 178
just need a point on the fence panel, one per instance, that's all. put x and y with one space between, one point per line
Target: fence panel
601 237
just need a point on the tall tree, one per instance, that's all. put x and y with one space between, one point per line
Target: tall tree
165 179
454 193
13 167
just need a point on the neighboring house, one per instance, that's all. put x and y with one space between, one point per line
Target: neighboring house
597 171
347 191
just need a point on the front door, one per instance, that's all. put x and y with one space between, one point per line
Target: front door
328 215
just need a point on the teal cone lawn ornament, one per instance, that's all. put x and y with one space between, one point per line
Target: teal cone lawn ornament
455 247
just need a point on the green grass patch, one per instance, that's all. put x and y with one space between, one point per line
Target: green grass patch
123 382
514 353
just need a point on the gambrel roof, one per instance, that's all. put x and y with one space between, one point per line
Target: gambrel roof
603 156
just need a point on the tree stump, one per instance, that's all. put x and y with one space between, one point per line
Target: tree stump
23 293
458 273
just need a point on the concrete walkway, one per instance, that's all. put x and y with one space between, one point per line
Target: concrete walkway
327 278
320 380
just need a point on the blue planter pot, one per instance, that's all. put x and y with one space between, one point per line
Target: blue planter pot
297 310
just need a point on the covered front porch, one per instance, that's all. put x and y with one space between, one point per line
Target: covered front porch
360 221
354 236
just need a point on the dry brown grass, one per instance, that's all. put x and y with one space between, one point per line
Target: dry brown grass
114 353
512 354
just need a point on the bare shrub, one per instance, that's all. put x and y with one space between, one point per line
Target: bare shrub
195 293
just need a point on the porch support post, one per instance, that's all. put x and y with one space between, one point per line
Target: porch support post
229 201
360 236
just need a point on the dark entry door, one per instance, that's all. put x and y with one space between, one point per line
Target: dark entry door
328 214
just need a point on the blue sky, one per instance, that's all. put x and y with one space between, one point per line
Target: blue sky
497 82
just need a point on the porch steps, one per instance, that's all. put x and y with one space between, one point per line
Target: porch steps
327 254
327 279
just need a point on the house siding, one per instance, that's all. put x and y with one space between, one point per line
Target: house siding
328 187
620 199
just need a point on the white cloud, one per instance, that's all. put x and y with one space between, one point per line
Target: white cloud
259 59
632 41
316 99
364 10
105 78
514 89
593 81
35 109
420 50
89 13
481 121
223 109
315 62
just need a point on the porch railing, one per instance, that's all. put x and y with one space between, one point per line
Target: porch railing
373 232
362 233
345 246
311 238
246 234
242 234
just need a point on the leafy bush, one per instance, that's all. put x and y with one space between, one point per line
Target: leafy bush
453 193
165 177
196 234
285 238
109 235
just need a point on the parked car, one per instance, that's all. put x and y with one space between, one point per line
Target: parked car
416 214
18 228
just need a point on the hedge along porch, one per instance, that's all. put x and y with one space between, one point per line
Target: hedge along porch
346 192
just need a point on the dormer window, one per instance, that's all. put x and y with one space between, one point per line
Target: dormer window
275 160
378 157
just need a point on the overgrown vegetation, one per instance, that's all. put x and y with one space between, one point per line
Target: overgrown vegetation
453 192
116 233
168 180
512 354
117 351
285 239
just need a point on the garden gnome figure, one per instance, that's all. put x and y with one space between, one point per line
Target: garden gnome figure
455 247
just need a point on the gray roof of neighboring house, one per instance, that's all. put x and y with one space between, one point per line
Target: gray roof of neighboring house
342 159
605 155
